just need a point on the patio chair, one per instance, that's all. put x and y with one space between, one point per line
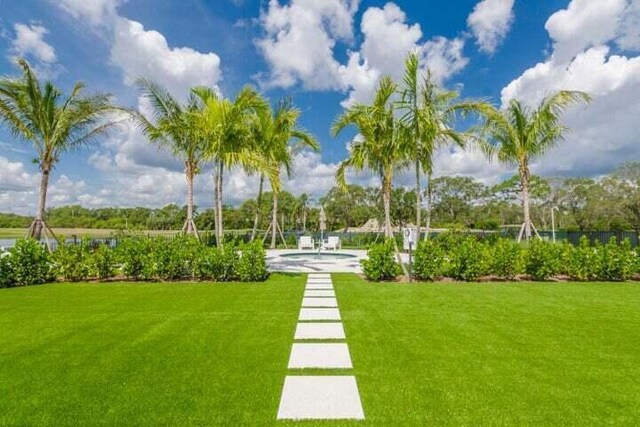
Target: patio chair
306 242
333 242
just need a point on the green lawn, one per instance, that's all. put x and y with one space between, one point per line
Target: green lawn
431 354
145 354
495 354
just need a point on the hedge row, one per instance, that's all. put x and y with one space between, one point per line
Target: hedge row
135 258
466 258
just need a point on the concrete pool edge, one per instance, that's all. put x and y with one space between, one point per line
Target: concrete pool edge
279 263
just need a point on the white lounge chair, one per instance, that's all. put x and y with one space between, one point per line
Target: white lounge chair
306 242
333 242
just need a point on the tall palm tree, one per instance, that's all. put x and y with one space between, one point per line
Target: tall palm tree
430 113
381 145
40 114
279 137
173 127
519 134
225 125
303 205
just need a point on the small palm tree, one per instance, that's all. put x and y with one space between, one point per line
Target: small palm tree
226 127
173 127
278 138
381 145
430 113
519 134
39 113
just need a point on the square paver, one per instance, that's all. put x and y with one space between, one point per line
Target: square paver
320 331
319 302
319 286
319 314
320 397
320 356
319 276
319 293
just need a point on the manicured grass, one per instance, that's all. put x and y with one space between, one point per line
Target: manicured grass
146 354
216 354
494 354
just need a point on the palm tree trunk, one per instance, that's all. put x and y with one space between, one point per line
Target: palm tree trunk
38 225
418 202
304 220
256 219
274 220
429 194
386 201
188 226
524 180
219 203
215 205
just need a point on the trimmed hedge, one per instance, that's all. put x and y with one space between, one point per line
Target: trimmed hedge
468 258
135 258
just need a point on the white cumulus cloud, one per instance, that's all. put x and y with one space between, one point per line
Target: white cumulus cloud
490 22
29 40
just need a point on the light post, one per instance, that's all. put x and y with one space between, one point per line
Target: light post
553 222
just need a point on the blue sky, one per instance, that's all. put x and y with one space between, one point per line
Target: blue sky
324 54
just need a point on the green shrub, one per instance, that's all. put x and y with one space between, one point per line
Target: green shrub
30 263
543 259
616 262
429 260
135 256
103 262
380 264
173 259
467 260
220 265
252 265
6 270
72 262
584 261
507 260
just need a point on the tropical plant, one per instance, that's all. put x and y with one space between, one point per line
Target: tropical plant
40 114
429 113
173 128
380 264
278 137
380 146
225 126
519 134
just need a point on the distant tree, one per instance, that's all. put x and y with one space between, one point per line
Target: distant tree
455 197
54 124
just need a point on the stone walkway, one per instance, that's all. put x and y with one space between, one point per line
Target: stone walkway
319 344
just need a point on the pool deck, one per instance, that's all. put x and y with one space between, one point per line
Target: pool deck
345 265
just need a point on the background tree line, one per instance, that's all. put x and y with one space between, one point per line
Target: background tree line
609 203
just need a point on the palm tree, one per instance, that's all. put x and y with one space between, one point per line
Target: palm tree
279 137
173 127
430 113
225 125
519 134
381 145
303 205
38 113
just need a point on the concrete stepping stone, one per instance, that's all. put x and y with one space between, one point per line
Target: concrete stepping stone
319 302
319 331
319 293
320 356
319 286
319 314
320 275
320 397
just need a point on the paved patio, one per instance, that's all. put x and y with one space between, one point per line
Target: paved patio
277 262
